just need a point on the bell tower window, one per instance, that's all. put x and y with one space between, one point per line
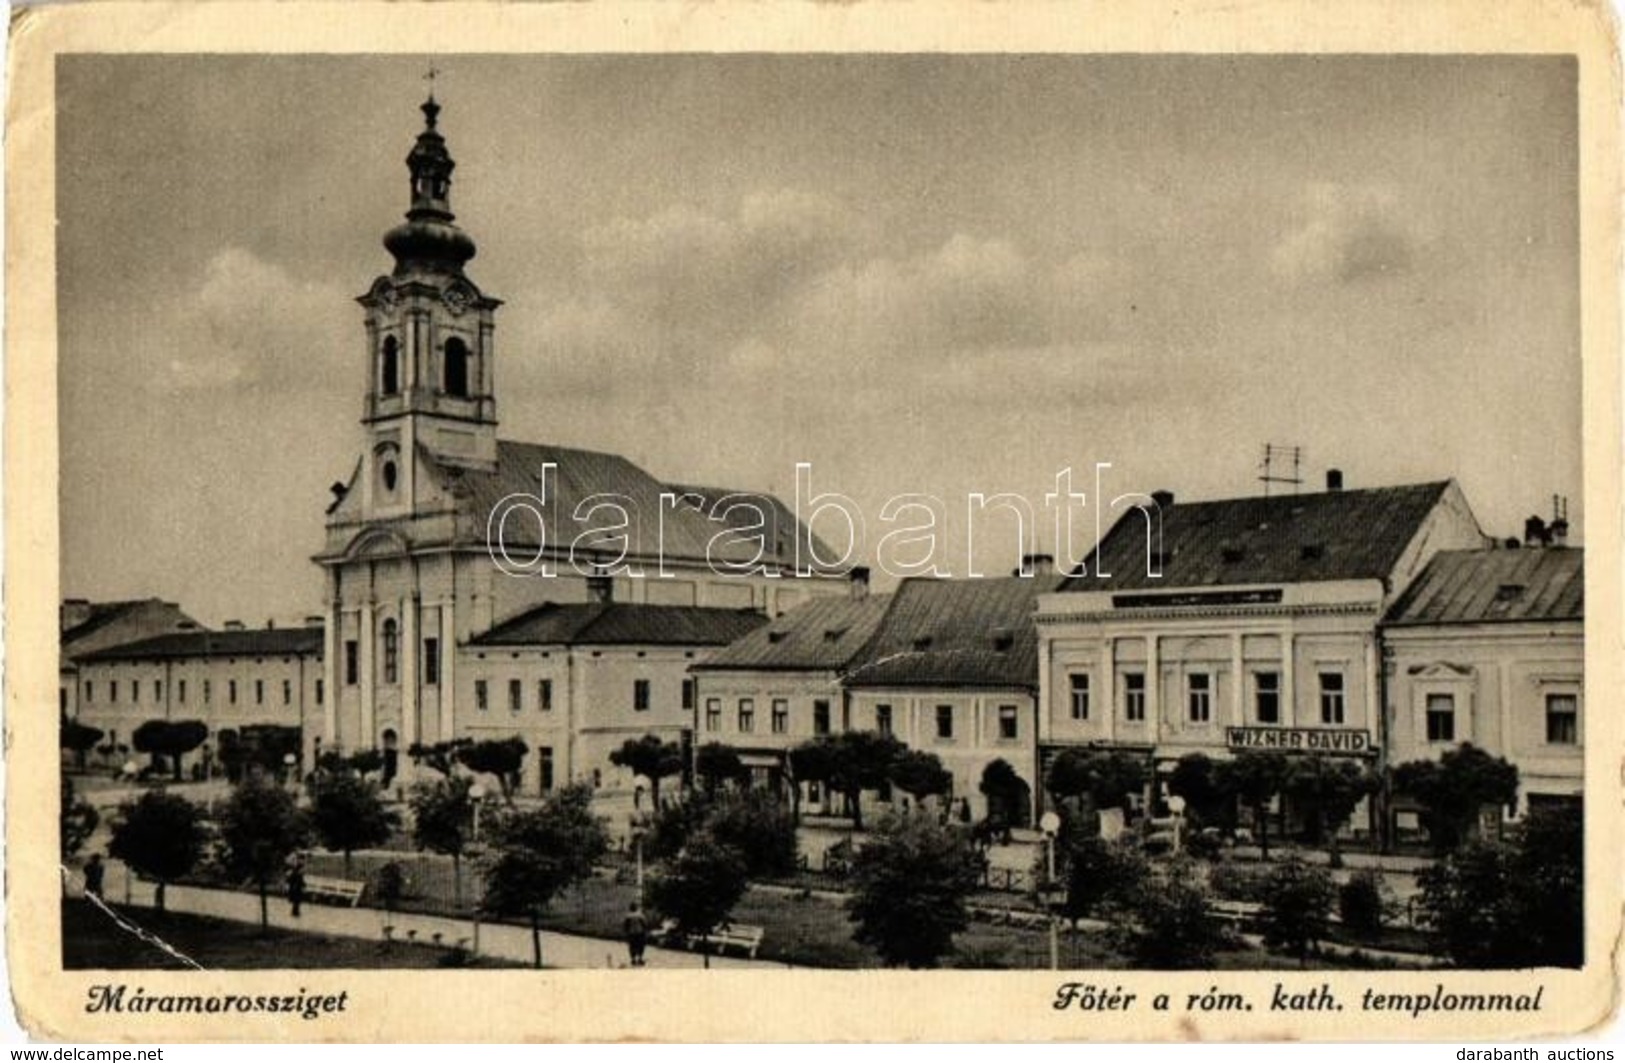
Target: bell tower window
389 371
456 368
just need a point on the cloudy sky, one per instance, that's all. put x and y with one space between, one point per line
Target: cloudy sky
920 274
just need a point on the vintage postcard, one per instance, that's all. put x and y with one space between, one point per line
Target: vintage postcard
1059 521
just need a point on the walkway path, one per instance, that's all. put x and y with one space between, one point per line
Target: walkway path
496 940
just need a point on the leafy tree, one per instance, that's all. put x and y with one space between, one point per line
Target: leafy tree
158 835
1097 873
442 816
1327 790
348 813
77 738
538 853
759 827
1006 795
700 887
440 756
809 762
1196 779
1453 789
717 764
172 739
1107 778
265 747
1298 900
1256 776
500 757
1521 904
261 826
79 819
920 774
1363 902
1170 927
651 758
909 884
851 762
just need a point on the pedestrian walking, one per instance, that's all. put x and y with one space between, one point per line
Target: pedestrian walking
637 934
95 872
296 885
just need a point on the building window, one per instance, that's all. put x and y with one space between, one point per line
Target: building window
456 368
516 695
1331 697
231 692
481 701
544 695
544 756
287 692
821 717
352 665
1562 719
431 662
259 692
1134 696
747 715
319 691
1080 696
713 714
180 690
1267 696
883 719
208 691
135 691
781 716
640 695
688 695
945 721
1441 717
158 690
90 691
1007 721
112 690
390 375
1199 696
391 651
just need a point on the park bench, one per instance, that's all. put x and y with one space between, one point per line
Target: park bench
337 890
1238 912
741 936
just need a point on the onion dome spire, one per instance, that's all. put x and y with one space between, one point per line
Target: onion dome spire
429 239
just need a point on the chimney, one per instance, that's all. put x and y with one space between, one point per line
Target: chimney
858 582
187 625
1558 531
75 611
1334 479
1512 542
233 625
1534 532
1163 498
600 588
1038 564
315 620
270 625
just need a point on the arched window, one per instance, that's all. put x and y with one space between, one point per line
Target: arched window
391 651
389 374
457 368
386 459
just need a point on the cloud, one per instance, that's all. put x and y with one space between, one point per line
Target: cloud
1346 234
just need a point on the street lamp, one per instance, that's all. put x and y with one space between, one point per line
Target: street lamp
637 831
476 794
1176 805
1050 824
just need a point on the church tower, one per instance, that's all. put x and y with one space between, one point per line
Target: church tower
429 344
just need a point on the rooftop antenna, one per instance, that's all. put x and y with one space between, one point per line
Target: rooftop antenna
1275 459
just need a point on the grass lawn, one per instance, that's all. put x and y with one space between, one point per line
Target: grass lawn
92 941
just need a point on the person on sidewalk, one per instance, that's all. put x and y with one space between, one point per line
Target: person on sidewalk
95 874
637 933
296 884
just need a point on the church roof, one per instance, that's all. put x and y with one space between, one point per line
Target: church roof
1329 535
254 642
823 634
956 633
1495 586
622 624
684 532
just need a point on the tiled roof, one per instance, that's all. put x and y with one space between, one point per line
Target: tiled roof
823 634
622 624
257 642
953 633
1491 586
682 531
1330 535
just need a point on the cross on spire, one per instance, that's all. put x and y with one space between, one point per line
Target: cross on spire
433 73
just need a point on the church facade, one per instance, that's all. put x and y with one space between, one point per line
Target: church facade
412 580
